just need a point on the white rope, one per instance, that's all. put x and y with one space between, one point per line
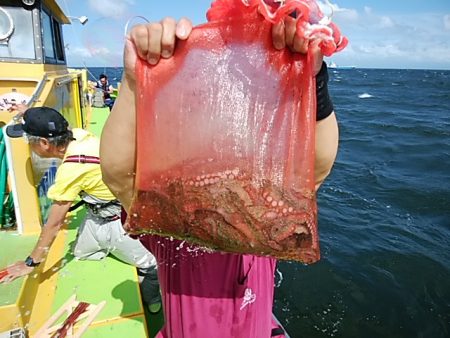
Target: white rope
130 20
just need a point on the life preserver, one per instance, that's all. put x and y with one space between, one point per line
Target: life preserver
4 36
9 99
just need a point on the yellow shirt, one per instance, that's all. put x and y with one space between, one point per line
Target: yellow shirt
72 178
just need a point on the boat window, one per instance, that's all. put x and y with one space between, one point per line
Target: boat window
47 30
58 40
53 45
16 33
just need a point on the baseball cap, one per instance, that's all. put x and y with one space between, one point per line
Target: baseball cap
39 121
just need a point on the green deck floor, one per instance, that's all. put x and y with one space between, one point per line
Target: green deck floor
13 248
95 281
125 328
97 120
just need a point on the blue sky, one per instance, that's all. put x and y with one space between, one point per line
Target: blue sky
382 34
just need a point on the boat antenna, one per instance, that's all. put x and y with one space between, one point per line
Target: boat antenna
83 21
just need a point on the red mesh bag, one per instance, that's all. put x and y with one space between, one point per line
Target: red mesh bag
225 136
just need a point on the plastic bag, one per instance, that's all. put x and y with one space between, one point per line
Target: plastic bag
225 138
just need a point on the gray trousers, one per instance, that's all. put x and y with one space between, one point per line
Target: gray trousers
97 238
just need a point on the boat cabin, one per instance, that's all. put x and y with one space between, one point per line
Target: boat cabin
33 72
31 32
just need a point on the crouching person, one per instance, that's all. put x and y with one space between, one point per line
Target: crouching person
101 232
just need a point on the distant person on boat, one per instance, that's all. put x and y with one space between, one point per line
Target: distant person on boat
107 90
79 175
205 293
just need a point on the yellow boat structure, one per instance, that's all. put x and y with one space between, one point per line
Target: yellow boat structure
33 71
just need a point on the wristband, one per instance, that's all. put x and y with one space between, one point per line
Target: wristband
30 262
324 105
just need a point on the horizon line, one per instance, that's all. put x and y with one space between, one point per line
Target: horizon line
355 67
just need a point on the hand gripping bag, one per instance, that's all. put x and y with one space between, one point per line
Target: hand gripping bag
225 135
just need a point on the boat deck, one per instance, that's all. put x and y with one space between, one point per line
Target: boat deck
12 248
61 276
91 282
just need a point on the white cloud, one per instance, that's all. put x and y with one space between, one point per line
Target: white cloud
349 15
447 21
398 40
367 10
111 8
345 14
386 22
89 52
101 56
383 50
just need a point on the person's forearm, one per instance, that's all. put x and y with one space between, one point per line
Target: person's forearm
46 239
118 147
49 231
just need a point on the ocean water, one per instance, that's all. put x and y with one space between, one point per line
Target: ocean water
384 213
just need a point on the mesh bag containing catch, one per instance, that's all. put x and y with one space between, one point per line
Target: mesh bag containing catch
225 135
